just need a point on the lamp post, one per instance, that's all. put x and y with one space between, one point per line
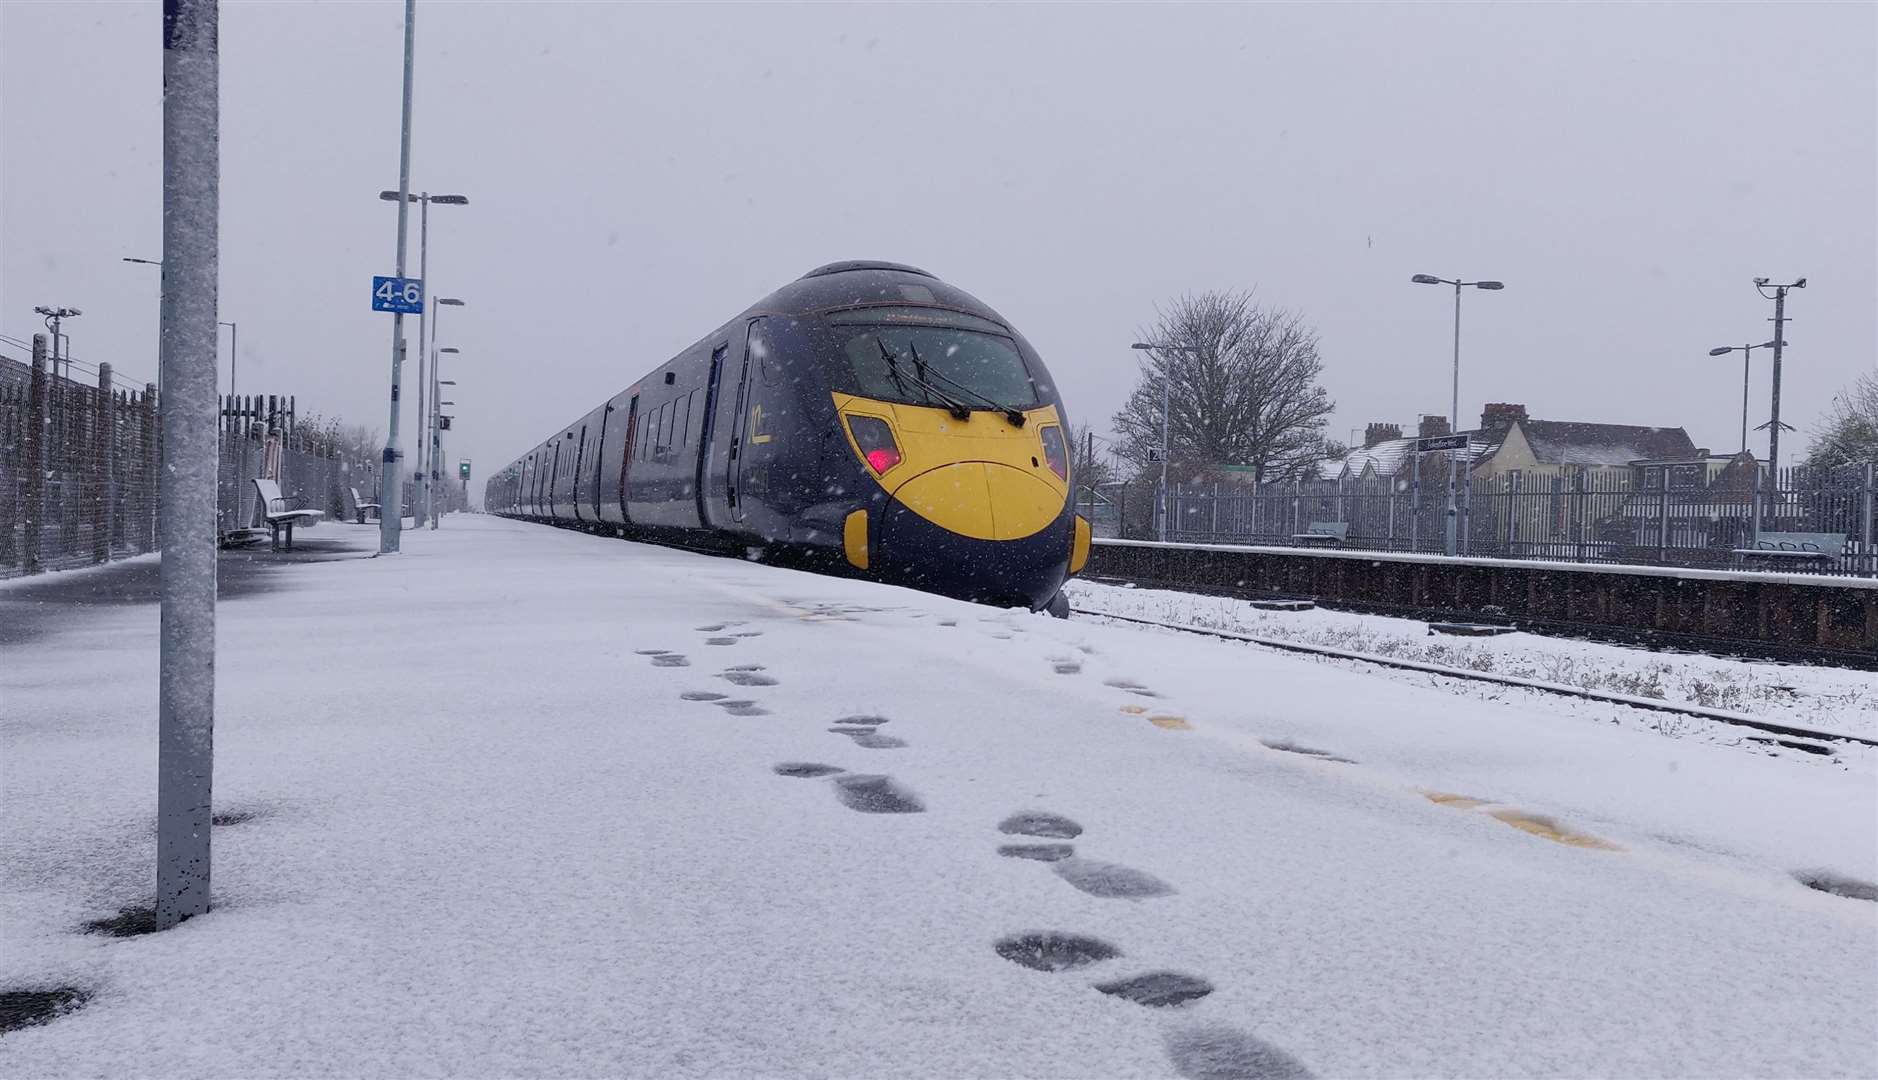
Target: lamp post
423 199
1454 408
1160 531
1746 352
390 480
435 336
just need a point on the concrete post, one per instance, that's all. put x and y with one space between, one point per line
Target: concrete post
105 520
1866 496
186 513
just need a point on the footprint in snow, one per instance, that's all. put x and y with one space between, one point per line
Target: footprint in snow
741 708
1111 881
720 641
1066 665
703 695
1052 951
1040 823
805 769
670 660
747 678
1222 1052
869 739
1158 988
876 794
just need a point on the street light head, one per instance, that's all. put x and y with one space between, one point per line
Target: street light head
1769 345
1760 281
451 200
1723 350
145 262
1137 345
449 349
1490 286
449 301
447 382
1425 279
392 196
1800 284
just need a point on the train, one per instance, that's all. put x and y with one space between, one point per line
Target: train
866 419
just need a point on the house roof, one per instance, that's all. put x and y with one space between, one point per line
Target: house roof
1565 442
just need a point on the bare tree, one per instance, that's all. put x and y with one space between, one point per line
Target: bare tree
1848 433
1242 389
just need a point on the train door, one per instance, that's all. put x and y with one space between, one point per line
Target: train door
554 476
707 432
734 488
580 460
599 459
626 456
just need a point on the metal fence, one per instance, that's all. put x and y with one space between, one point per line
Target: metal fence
78 466
1643 515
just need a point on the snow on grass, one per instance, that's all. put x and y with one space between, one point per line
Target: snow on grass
494 807
1804 696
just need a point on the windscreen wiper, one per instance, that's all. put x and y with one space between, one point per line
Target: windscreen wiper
1015 416
958 409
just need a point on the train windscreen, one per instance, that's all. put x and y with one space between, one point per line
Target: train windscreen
942 360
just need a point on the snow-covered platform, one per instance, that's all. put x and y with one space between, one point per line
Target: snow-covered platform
521 801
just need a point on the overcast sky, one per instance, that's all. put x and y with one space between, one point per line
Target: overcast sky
639 173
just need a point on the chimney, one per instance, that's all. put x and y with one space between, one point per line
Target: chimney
1380 433
1433 426
1499 417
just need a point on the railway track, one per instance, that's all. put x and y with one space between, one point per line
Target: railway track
1719 716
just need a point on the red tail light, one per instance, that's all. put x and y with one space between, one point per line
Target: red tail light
1053 451
875 439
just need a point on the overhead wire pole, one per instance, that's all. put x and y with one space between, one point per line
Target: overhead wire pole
391 480
1780 333
187 503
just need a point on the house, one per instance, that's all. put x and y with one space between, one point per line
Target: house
1547 448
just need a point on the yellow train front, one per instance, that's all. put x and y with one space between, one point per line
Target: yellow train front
867 418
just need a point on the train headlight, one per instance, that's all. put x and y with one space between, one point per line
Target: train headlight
1054 452
875 440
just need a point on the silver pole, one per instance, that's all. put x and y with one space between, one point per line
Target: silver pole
391 479
187 506
1747 355
1164 403
1454 426
423 272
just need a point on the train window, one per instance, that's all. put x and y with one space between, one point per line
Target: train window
667 414
925 365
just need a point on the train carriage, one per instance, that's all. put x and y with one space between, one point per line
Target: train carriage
866 419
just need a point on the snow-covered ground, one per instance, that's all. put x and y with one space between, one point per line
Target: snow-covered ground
1828 698
498 822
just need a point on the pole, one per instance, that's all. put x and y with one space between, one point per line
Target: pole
390 491
186 509
436 435
1773 428
1454 425
423 271
1747 356
1165 392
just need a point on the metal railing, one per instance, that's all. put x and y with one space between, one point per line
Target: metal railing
78 466
1645 515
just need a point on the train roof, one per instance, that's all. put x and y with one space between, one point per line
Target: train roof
857 282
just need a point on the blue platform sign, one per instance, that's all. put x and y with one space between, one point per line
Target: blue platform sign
402 295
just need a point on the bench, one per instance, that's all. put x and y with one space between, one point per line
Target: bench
1329 533
279 515
360 506
1793 547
